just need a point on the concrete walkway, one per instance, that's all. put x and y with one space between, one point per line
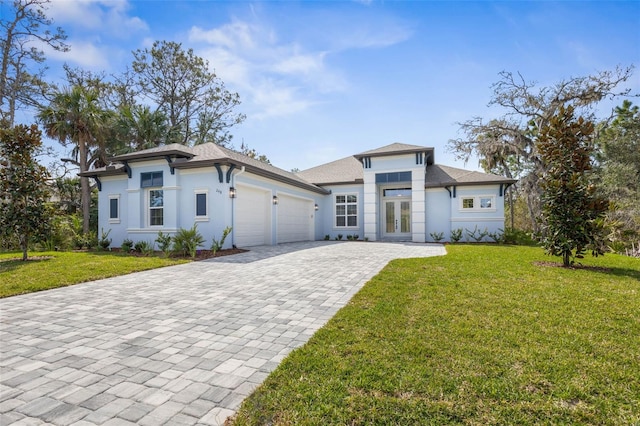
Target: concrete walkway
181 345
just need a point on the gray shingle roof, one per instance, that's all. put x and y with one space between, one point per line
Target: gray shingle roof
174 149
346 170
394 148
438 176
208 154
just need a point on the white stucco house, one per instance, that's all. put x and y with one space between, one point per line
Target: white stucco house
394 193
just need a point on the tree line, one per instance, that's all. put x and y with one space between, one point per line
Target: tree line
578 185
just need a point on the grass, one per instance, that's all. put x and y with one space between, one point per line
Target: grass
484 335
58 269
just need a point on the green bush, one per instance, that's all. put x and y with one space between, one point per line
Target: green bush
456 235
437 236
144 247
104 242
187 241
164 243
518 237
217 245
127 245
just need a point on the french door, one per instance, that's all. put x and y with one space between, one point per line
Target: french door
397 221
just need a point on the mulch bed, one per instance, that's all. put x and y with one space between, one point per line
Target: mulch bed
208 254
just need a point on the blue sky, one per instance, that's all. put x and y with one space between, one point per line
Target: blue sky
323 80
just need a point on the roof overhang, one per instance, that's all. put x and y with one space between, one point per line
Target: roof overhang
428 151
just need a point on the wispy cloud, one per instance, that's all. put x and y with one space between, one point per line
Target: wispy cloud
104 16
270 74
281 73
95 25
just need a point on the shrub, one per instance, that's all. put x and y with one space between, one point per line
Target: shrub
217 245
339 236
187 241
497 236
437 236
518 237
144 247
456 235
127 245
164 243
327 237
476 234
104 242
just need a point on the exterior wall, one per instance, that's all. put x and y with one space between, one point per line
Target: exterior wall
327 217
204 180
179 208
372 200
116 187
491 220
438 213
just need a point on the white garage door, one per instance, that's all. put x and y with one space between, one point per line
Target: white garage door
253 217
295 219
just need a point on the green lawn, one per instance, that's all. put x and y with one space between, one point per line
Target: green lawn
481 336
58 269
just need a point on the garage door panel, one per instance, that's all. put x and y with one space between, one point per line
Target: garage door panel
295 219
252 220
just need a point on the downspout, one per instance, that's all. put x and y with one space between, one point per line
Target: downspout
233 210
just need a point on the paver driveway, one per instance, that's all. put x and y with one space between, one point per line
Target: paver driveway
180 345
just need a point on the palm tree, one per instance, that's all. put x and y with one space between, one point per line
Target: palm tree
75 116
138 128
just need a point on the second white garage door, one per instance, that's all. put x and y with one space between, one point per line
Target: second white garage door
253 217
295 219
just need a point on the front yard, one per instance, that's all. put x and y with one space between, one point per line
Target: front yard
46 270
484 335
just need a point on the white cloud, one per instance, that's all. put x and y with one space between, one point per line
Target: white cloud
108 16
82 53
304 64
276 78
236 35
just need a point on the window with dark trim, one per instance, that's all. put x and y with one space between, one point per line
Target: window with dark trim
150 179
114 208
201 204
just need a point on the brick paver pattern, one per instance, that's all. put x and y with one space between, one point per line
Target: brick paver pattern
181 345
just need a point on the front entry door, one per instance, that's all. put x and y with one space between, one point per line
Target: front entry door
397 218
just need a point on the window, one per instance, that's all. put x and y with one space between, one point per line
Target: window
114 209
201 205
486 202
346 211
478 203
150 179
156 207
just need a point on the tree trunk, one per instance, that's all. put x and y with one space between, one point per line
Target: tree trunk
85 192
24 245
566 259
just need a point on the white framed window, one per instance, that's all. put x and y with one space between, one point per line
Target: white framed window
114 208
201 197
155 199
478 203
346 209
